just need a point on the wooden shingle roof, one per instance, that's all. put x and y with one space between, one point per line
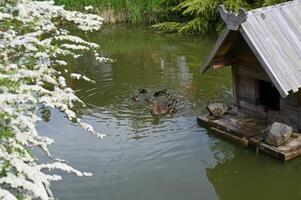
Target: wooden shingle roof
274 35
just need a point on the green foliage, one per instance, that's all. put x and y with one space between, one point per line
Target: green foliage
200 16
5 166
21 28
137 11
167 27
5 133
9 84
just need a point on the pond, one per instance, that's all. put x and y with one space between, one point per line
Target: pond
168 157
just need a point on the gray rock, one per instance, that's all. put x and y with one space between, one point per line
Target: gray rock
277 134
217 109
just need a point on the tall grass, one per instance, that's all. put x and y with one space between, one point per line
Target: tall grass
137 11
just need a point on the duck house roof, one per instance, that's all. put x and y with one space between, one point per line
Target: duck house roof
274 35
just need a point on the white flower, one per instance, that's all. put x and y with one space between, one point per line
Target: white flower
28 64
6 195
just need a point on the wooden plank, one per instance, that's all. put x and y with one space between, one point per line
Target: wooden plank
243 53
205 66
299 99
281 31
222 63
270 151
286 29
241 141
240 129
252 72
262 59
267 42
229 43
290 23
292 100
247 88
204 121
295 13
255 140
242 132
286 51
235 85
295 24
287 151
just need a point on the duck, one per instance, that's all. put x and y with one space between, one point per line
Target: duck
135 98
160 93
171 105
167 108
142 91
149 99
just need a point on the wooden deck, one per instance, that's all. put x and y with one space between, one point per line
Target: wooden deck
248 132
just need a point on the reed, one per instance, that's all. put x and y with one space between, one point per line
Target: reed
135 11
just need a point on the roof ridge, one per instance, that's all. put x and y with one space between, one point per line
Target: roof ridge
274 6
233 20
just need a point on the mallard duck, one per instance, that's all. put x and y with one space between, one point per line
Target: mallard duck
157 109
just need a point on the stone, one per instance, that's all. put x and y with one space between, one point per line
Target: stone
277 134
217 109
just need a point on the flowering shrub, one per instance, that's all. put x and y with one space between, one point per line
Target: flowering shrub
32 48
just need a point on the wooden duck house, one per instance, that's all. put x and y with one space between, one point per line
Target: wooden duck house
263 49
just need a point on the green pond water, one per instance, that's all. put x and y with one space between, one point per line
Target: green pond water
147 158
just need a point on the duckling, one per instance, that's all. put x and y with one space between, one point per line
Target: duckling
172 103
156 94
169 97
160 93
135 98
149 99
172 110
142 91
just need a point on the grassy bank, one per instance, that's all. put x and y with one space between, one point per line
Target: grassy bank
134 11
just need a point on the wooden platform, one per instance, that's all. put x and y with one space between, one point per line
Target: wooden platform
248 132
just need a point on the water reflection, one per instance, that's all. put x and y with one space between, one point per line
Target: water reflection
242 174
250 177
185 75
